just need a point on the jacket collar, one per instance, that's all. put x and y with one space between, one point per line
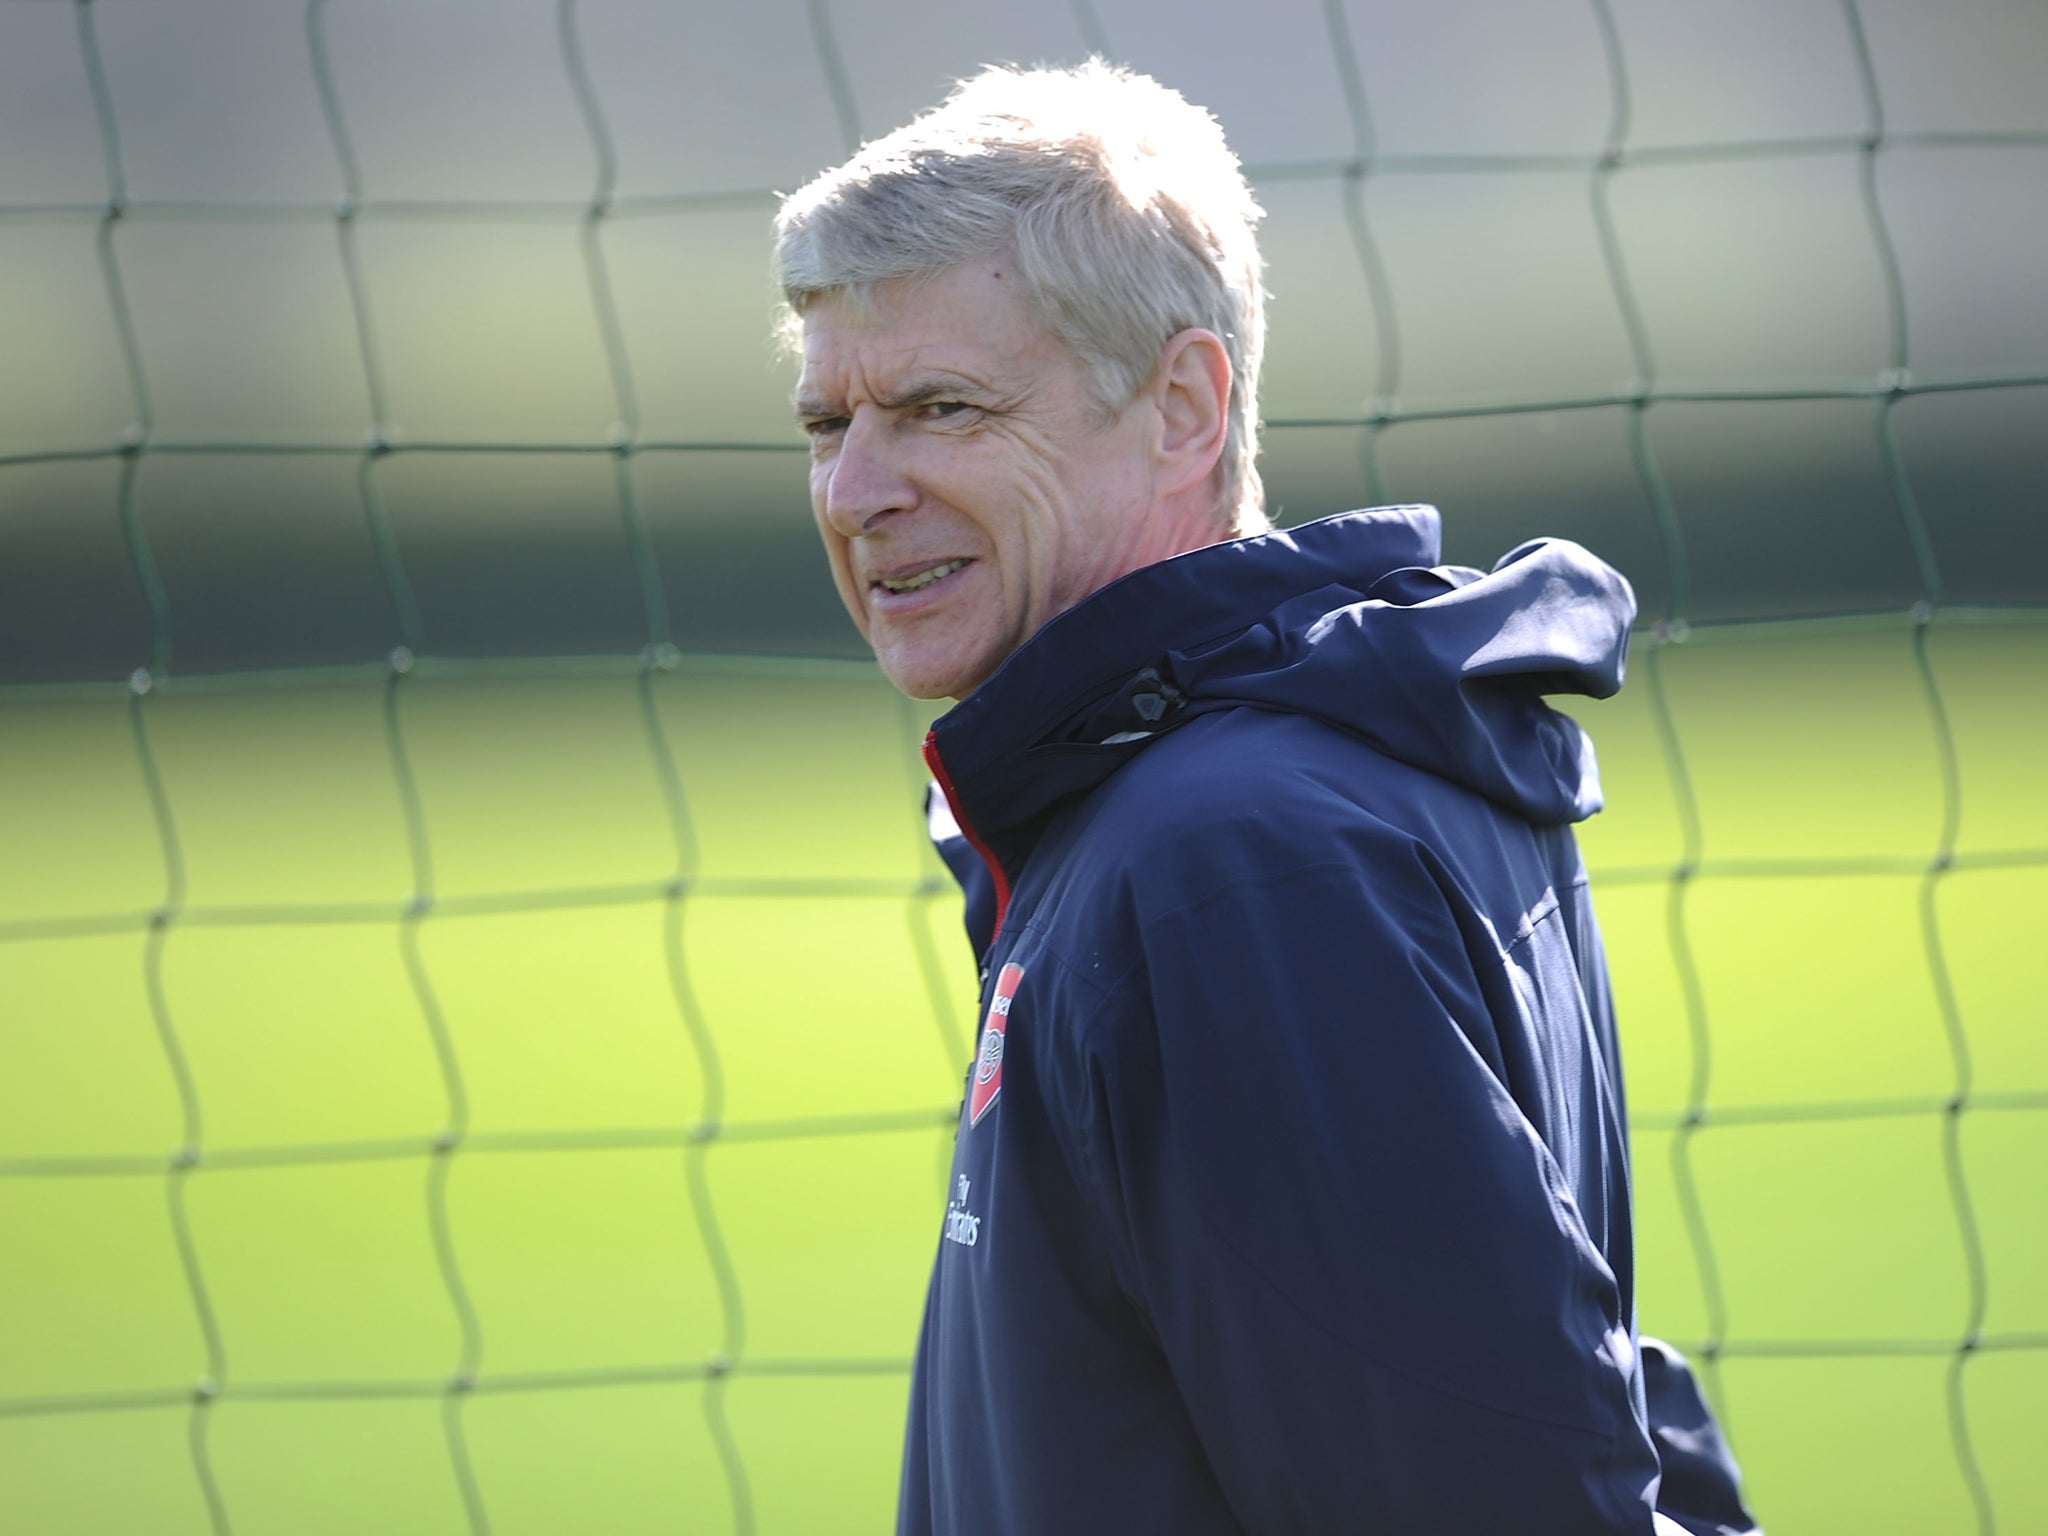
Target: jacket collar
1097 682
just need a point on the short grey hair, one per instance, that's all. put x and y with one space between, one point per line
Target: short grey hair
1128 216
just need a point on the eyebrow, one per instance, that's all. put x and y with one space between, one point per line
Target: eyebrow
944 386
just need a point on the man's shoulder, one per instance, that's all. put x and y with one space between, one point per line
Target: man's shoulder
1258 766
1242 795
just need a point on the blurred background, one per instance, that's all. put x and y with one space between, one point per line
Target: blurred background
479 1028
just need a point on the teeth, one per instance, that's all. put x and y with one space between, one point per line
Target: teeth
921 579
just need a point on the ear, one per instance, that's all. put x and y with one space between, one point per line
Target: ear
1192 391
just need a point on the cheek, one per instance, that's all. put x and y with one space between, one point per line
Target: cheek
1047 516
833 543
838 560
1075 541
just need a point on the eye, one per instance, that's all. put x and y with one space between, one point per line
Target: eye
940 410
819 428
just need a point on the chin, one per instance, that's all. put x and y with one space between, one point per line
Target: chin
917 685
932 677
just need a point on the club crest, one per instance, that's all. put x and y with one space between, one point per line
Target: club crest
988 1061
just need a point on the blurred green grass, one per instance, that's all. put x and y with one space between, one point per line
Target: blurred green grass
570 1202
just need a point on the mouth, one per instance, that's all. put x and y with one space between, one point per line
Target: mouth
917 580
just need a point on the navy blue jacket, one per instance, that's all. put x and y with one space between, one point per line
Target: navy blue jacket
1290 1191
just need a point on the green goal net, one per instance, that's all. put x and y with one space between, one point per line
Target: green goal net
480 1027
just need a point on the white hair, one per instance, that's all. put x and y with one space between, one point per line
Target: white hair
1127 214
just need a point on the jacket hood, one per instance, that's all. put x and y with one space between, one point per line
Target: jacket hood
1350 620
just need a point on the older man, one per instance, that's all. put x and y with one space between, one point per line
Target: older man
1290 1191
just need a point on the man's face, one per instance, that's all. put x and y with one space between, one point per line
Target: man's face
965 484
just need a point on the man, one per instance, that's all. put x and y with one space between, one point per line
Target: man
1290 1190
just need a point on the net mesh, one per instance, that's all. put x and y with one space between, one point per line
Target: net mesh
1699 1116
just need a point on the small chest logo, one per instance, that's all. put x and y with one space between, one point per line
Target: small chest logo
988 1062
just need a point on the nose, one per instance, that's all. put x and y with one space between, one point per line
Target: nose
864 479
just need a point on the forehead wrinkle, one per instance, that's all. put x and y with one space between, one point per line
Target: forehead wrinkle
898 358
924 387
966 316
938 385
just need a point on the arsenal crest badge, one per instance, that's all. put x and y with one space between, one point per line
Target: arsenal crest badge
988 1061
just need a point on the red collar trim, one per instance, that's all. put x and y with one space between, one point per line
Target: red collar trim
995 867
